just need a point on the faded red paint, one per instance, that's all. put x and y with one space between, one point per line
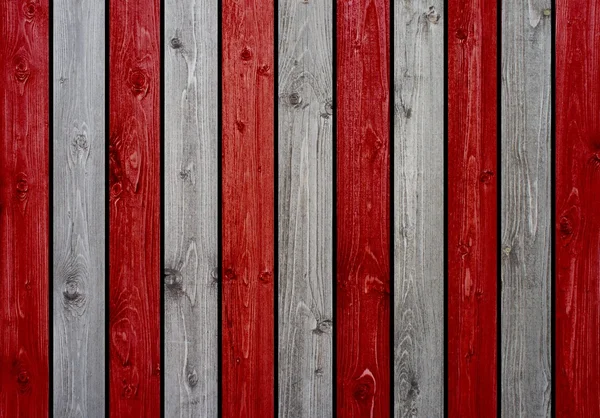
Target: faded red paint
134 211
24 204
363 202
472 208
248 208
577 224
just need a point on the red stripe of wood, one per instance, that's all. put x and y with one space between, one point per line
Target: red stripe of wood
248 209
472 208
577 208
363 218
134 209
24 139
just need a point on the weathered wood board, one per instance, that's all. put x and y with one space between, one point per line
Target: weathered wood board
134 209
79 222
305 209
525 215
418 208
363 209
191 210
577 222
472 184
24 208
248 209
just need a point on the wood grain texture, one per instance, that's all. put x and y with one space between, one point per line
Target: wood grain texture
24 223
134 210
305 209
577 217
526 121
248 222
472 208
79 209
191 182
363 206
419 208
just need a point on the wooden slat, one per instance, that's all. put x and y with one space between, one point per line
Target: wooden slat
248 208
472 208
526 118
305 209
363 209
79 209
24 232
419 208
191 181
577 201
134 210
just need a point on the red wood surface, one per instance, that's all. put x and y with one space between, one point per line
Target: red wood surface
472 208
577 236
24 232
363 216
248 208
134 209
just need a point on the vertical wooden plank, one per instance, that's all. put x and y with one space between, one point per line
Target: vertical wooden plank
526 53
419 208
79 209
363 206
134 210
577 217
24 158
472 208
248 208
191 181
305 209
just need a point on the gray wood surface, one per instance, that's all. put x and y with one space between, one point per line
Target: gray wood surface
191 180
526 232
305 209
79 208
418 208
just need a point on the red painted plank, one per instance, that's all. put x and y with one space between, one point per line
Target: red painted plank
363 216
24 138
472 208
577 236
134 209
248 208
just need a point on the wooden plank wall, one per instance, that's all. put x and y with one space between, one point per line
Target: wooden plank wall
191 210
577 234
363 208
248 208
525 215
79 208
418 208
305 209
24 208
472 208
134 209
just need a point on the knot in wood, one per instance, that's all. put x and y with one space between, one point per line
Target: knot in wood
246 54
265 277
461 34
565 227
116 189
22 186
29 10
432 15
323 327
362 392
240 125
214 274
294 99
22 70
264 70
192 378
176 43
173 279
230 274
71 291
138 82
486 176
129 390
329 107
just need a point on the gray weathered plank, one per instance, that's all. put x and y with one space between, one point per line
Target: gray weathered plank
526 117
418 208
305 208
191 181
79 209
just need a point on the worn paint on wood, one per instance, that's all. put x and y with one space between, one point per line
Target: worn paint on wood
248 72
363 209
134 209
79 214
472 208
577 200
526 338
305 209
191 181
419 208
24 201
